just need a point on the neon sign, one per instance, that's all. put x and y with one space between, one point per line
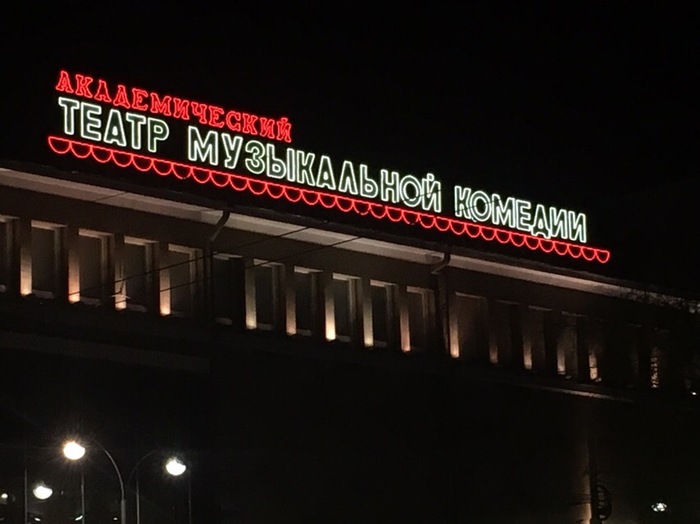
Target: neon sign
133 127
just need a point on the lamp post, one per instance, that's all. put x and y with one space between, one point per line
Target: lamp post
173 466
176 467
73 450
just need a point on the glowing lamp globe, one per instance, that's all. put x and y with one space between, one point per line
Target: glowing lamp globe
73 451
42 491
175 467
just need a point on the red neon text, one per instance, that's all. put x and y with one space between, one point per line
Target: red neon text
142 100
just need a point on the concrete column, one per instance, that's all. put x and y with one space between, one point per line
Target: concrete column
13 251
251 321
567 353
117 268
25 256
493 313
452 325
288 285
583 369
106 270
595 341
639 357
526 331
206 286
404 328
441 317
153 275
552 332
357 292
161 267
393 330
435 333
328 304
203 300
318 304
60 288
365 312
279 298
71 248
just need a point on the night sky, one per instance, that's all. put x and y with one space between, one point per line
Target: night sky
584 105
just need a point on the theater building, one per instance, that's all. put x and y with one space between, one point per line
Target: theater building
324 340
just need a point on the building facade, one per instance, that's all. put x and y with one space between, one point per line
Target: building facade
322 349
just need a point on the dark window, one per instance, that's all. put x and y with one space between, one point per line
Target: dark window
181 262
265 295
344 306
418 317
5 253
381 313
223 286
470 320
305 301
92 261
136 274
45 247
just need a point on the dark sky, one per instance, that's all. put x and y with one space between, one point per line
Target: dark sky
587 105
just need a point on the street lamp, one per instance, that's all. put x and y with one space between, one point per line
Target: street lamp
42 491
74 450
174 466
659 507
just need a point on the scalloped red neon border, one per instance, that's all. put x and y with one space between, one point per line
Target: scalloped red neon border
312 197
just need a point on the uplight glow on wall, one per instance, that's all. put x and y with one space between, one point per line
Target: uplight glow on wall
166 135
